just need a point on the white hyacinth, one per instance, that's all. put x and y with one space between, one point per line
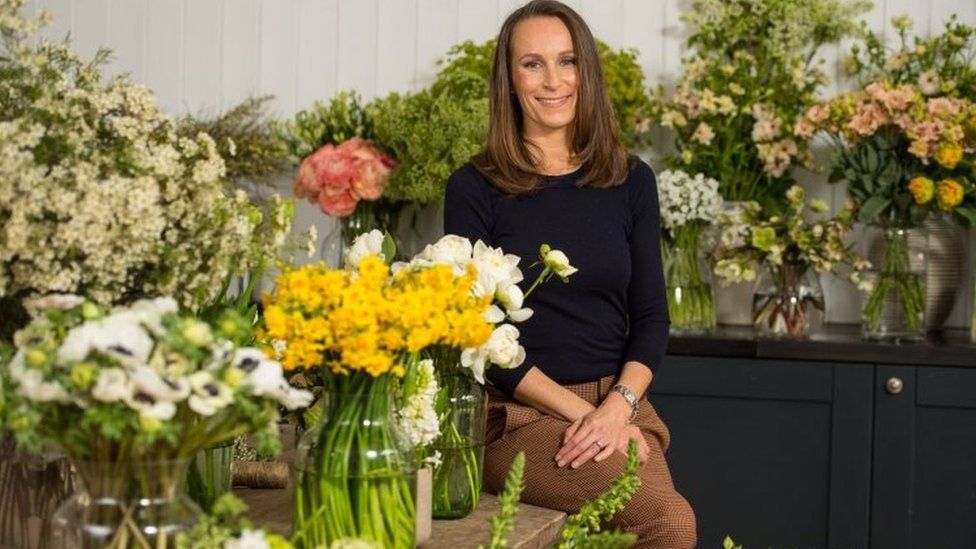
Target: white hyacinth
684 198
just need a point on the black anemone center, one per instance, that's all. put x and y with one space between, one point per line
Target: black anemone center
248 364
144 398
120 350
171 384
211 389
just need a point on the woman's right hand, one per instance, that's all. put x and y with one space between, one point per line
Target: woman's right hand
632 431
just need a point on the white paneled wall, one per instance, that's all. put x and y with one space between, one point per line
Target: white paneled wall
207 55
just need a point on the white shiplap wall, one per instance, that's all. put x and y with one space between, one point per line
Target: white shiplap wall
207 55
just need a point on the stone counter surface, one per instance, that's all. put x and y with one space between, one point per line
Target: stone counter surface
834 342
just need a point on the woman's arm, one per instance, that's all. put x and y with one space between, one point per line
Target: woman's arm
542 393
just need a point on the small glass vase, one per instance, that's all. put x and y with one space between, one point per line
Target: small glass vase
691 304
462 405
210 474
354 476
788 301
32 487
894 308
126 505
381 214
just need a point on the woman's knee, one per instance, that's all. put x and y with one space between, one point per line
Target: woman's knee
661 519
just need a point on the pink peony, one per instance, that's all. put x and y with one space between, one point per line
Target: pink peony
899 98
336 178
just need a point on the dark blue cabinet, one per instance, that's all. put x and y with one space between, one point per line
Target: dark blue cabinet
822 453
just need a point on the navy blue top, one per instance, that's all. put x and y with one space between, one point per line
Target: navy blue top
614 309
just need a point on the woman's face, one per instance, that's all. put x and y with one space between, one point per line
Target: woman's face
544 75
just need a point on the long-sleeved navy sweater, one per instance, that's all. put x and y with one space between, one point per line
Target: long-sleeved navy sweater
614 309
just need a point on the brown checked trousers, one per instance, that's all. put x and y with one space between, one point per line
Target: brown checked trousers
657 514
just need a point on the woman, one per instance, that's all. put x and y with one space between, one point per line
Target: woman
554 171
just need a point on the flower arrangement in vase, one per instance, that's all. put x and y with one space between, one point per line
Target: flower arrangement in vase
788 300
130 395
688 206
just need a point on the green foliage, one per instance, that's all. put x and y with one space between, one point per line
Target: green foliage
245 139
502 523
225 524
430 136
583 528
467 69
949 56
728 543
342 118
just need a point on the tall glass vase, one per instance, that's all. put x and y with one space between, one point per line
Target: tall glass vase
691 306
353 476
32 487
789 301
462 406
210 474
894 308
132 504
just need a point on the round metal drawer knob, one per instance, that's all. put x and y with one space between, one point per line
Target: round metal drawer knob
894 386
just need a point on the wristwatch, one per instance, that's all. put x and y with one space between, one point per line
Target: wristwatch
629 396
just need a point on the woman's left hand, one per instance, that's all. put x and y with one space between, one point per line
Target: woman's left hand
595 435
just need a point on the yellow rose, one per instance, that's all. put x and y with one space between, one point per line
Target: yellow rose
922 188
949 194
949 155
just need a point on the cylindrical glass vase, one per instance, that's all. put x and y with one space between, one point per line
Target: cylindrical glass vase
354 476
691 304
462 405
788 301
126 505
32 487
381 215
210 474
894 308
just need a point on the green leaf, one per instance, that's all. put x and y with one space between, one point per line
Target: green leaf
872 207
968 214
727 543
389 248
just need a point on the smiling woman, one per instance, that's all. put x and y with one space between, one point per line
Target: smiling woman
554 170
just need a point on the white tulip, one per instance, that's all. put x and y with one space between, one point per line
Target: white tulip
559 264
520 315
510 296
503 347
494 314
474 359
364 245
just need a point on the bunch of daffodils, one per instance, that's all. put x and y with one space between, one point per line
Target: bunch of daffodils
139 382
748 236
100 196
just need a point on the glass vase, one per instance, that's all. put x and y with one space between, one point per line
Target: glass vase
32 487
210 474
368 215
354 477
126 505
894 308
788 301
691 306
462 406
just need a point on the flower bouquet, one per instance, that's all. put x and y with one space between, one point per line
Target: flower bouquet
461 403
130 395
903 156
789 302
688 205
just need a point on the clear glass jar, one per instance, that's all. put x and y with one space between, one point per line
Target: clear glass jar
210 474
462 405
788 301
32 488
691 304
368 215
126 504
894 307
354 474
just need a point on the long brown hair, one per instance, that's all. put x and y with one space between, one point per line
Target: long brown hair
507 159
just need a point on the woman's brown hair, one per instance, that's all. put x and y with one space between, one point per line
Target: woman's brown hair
507 159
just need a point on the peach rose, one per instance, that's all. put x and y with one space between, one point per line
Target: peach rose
337 178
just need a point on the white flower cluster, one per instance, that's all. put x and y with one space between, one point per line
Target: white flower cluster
100 196
417 418
684 199
129 357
